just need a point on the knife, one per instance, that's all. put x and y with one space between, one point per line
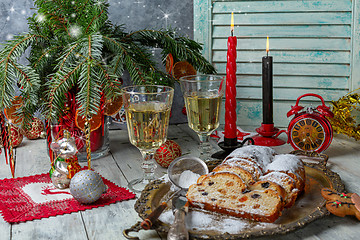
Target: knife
178 230
154 215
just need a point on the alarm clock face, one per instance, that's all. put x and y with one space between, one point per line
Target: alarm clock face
308 134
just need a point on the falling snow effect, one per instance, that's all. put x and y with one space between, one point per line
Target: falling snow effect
133 14
165 15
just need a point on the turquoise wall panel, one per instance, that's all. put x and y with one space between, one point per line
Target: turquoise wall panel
315 47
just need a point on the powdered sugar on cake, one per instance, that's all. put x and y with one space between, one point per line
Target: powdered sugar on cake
264 155
285 162
187 178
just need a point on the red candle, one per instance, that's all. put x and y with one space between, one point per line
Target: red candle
230 93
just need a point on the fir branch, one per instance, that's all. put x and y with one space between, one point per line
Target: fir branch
58 87
42 56
181 48
66 57
137 60
119 51
11 73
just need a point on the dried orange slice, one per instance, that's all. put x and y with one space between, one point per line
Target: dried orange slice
113 106
169 63
95 121
182 69
10 113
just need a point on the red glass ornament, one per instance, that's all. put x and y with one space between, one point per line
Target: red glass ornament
184 111
167 152
37 127
16 136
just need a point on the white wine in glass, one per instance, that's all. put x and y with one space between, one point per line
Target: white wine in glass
203 112
147 110
148 123
203 95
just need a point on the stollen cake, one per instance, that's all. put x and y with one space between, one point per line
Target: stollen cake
252 182
225 192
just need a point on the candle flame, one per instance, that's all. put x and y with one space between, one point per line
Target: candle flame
232 21
267 44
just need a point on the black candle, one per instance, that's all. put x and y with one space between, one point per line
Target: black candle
267 87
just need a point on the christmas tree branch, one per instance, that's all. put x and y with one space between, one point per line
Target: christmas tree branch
57 89
11 73
46 53
180 48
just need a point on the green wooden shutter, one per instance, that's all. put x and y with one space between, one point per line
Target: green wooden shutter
314 44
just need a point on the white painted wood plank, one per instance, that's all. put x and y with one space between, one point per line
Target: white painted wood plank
307 44
345 160
202 29
4 168
280 6
283 18
186 138
291 69
5 228
69 226
333 31
330 227
32 158
295 81
243 92
287 56
126 155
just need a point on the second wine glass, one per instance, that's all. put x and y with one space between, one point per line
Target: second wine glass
203 95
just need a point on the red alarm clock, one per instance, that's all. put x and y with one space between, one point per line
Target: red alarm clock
310 130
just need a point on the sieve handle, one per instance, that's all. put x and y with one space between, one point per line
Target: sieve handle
178 229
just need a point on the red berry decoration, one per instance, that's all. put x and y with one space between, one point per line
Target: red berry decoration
184 111
167 152
16 136
36 129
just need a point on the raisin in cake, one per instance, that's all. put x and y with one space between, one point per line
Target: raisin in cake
252 182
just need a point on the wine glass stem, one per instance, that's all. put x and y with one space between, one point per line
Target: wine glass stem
148 165
205 148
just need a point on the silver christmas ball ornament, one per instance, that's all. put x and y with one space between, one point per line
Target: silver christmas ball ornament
87 186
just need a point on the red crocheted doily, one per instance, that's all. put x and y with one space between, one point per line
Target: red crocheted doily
35 197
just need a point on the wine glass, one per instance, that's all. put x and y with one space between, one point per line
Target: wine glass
147 110
202 95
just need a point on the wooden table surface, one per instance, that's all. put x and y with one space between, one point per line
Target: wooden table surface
123 165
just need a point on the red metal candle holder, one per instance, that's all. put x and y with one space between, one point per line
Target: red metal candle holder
268 136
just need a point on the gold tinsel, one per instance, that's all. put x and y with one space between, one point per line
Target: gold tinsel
344 120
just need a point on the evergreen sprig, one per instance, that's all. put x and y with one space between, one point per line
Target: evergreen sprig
73 45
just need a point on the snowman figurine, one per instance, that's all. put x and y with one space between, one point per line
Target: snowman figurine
66 163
